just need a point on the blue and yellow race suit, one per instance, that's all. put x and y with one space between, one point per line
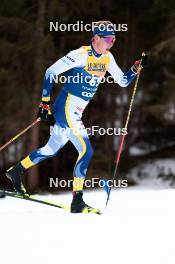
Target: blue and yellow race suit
84 70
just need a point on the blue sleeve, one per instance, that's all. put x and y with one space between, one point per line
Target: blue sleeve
127 78
48 82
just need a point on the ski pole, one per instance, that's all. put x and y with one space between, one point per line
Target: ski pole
126 126
21 133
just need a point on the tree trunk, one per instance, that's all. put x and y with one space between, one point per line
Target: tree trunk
33 175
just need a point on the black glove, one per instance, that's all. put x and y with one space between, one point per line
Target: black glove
140 62
44 111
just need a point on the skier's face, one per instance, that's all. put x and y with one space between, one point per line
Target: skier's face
103 44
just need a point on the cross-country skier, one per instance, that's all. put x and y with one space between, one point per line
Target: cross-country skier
91 63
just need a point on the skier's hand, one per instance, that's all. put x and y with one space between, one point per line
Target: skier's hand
140 62
44 111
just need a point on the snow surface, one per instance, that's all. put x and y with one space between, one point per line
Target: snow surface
138 227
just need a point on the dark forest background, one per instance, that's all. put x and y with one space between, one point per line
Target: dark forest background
27 48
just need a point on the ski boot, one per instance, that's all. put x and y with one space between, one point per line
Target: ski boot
14 174
79 206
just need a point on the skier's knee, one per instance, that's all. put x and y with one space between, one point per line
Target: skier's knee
47 151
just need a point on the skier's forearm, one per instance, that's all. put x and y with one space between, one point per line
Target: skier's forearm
127 78
134 70
47 85
124 79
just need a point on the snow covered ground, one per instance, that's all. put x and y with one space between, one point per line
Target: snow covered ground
138 227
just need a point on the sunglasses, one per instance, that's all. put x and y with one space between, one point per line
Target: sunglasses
109 40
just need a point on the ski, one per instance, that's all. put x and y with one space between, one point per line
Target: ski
33 199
